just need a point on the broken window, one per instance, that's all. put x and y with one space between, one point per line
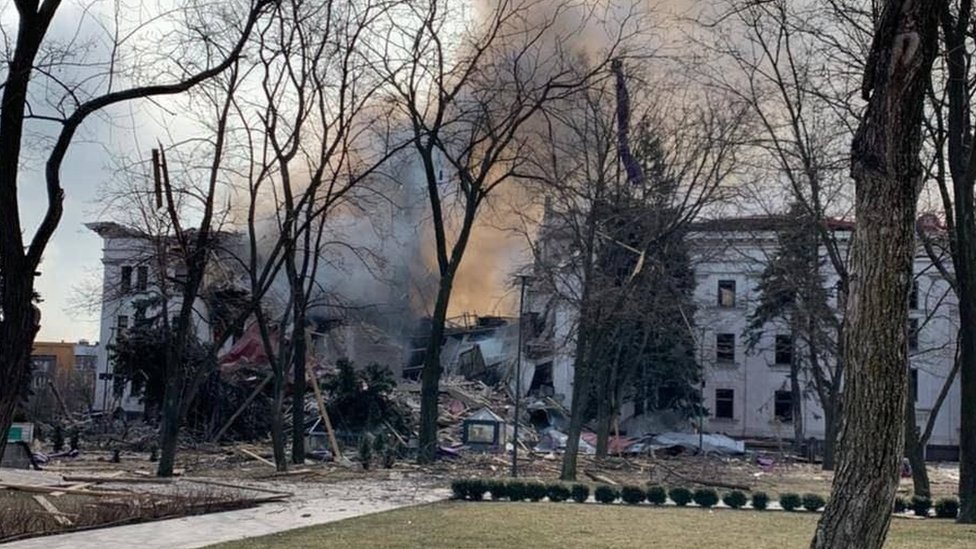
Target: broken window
913 296
726 293
125 285
913 334
783 406
142 278
725 348
724 403
542 383
784 350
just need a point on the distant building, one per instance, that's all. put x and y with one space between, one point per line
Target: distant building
70 368
747 392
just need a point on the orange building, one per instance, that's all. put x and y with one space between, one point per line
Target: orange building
51 361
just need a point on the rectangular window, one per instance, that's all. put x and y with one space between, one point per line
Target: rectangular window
913 385
725 348
784 350
783 406
125 285
142 278
912 334
726 293
724 403
122 323
913 296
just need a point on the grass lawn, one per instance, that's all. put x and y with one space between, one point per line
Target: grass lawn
459 525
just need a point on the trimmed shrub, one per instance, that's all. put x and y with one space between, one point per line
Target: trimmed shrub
760 501
497 488
680 496
735 499
516 491
947 508
813 502
705 497
920 506
657 495
477 489
580 493
460 488
606 494
632 494
557 492
535 491
790 501
901 504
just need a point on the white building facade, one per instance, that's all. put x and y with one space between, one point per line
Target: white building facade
747 390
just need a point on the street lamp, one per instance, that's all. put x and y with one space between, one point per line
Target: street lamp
518 374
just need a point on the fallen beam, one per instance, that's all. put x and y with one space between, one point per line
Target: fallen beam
252 455
238 486
54 511
100 479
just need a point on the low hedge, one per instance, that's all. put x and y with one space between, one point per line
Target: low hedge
920 505
735 499
498 489
632 495
536 491
705 497
557 492
947 508
657 495
813 502
606 494
790 501
517 491
760 501
900 505
580 493
680 496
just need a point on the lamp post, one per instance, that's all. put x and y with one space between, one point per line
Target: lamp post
518 375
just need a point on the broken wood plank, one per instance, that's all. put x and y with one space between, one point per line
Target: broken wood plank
320 402
240 409
131 480
58 490
238 486
601 478
252 455
54 511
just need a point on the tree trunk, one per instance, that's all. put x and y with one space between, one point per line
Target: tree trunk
885 166
431 375
278 420
830 433
603 412
17 333
796 408
963 245
581 392
299 352
915 452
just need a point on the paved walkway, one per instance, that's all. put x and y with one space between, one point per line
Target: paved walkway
319 505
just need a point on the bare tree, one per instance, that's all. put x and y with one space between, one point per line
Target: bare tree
19 262
886 168
474 82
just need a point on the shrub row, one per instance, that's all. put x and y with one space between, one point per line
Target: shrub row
920 506
478 489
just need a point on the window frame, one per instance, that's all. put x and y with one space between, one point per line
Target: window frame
778 350
726 287
727 399
722 349
779 401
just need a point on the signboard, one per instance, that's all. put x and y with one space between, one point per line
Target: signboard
21 431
